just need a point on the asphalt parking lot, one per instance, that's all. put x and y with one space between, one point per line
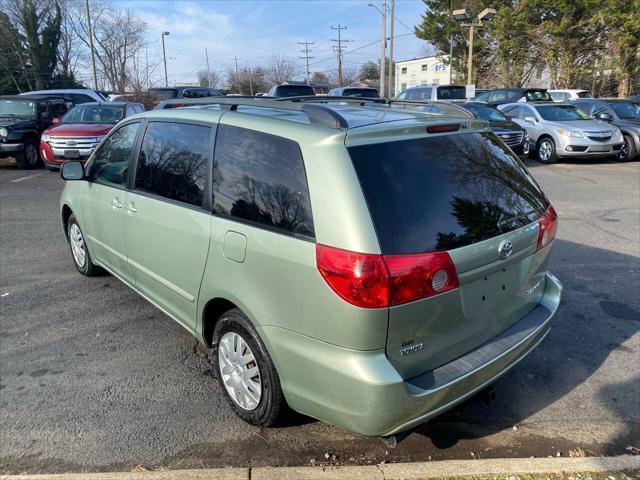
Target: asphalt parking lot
92 377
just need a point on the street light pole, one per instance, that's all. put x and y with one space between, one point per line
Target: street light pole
383 49
391 89
93 55
164 59
472 27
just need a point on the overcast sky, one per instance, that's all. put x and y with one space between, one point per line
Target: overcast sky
256 30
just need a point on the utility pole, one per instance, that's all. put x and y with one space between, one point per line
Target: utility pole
146 59
383 49
339 50
306 52
164 59
237 77
93 55
391 90
206 55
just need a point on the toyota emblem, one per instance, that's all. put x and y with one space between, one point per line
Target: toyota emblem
505 249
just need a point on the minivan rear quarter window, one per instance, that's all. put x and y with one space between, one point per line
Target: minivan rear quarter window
173 161
444 192
260 179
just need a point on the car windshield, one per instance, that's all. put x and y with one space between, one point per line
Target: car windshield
294 90
538 96
485 112
452 93
163 93
561 113
17 108
361 92
94 114
627 110
444 192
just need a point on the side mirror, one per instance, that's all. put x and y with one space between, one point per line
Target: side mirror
604 116
530 119
72 171
55 120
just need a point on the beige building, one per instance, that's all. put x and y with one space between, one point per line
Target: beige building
421 71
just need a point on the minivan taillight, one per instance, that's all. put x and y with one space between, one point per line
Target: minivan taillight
548 227
420 275
378 281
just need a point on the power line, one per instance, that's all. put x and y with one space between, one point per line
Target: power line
306 57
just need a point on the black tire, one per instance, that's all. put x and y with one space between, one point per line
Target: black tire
88 268
272 404
542 152
29 158
628 151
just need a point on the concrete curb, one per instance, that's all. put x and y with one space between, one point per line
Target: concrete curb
391 471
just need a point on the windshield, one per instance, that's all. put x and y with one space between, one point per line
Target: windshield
17 108
163 93
452 93
627 110
585 94
94 114
538 96
561 113
294 90
361 92
444 192
485 112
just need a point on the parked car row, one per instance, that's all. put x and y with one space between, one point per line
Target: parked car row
51 127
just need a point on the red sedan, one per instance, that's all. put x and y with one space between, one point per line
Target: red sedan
78 133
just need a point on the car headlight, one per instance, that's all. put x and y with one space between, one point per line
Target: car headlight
4 132
45 137
570 133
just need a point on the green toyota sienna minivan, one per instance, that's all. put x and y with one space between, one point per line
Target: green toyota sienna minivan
370 265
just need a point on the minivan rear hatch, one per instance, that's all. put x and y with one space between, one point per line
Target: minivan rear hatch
465 194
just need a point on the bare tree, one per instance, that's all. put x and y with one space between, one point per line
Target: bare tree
70 48
119 39
280 70
350 75
208 78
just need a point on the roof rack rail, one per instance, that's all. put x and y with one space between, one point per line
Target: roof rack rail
331 98
318 114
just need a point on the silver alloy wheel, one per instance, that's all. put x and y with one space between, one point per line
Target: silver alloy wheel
77 245
31 154
545 151
239 371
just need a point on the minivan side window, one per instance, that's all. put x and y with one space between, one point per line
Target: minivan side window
173 161
260 179
111 161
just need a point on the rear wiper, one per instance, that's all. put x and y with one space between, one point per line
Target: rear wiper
501 223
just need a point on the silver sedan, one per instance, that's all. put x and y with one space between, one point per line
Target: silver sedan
557 130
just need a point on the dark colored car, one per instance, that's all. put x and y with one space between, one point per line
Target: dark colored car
500 96
291 90
512 134
621 112
22 119
169 93
78 133
354 92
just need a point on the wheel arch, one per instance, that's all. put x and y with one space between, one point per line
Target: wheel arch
211 313
66 213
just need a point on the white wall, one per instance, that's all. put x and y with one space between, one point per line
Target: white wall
421 71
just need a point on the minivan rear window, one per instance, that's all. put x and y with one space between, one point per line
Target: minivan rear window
452 93
294 91
444 192
160 94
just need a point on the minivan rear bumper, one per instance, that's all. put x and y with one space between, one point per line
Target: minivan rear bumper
362 392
